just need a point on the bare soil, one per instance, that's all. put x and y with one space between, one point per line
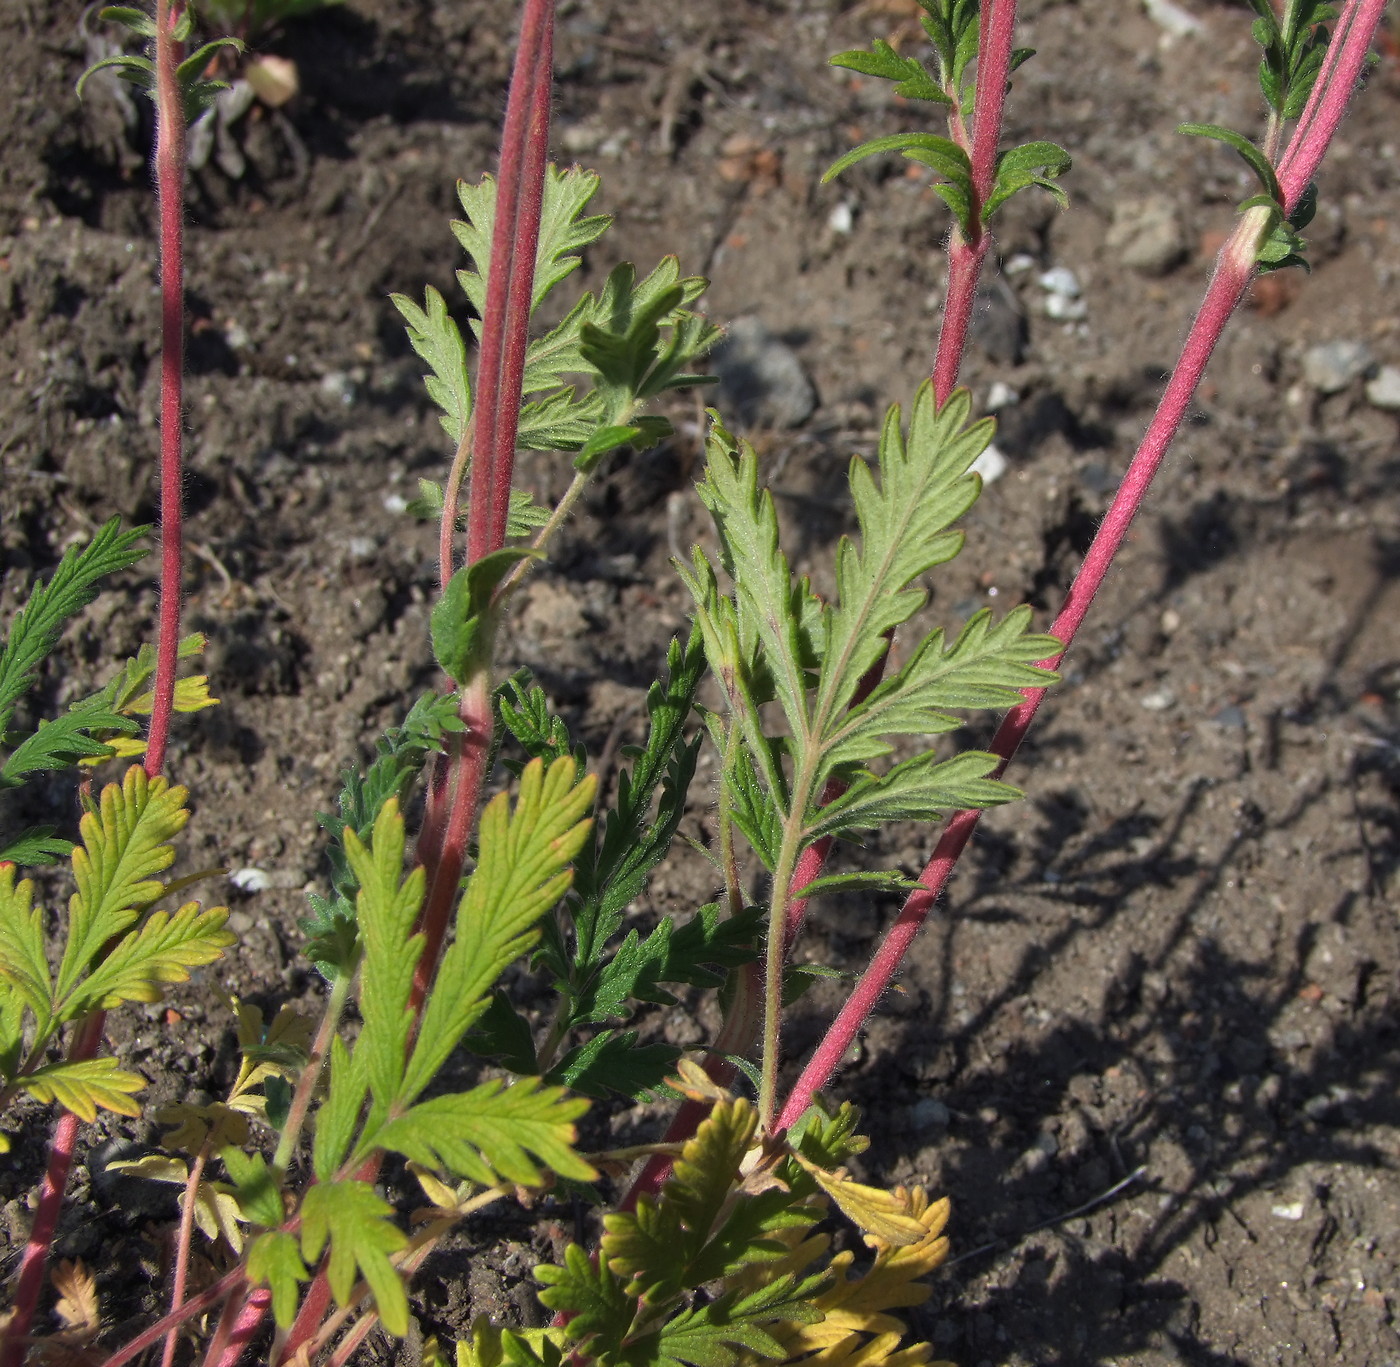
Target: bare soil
1148 1046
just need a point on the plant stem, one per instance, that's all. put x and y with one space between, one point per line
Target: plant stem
311 1074
210 1296
182 1247
170 184
966 254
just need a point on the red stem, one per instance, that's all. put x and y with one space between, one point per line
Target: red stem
170 183
1233 273
510 287
195 1305
965 257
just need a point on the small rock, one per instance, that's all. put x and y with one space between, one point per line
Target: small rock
1294 1210
842 219
1230 717
991 465
239 922
1170 621
1060 280
336 384
761 377
1019 264
250 880
1174 21
1147 234
1065 310
395 503
1158 700
1001 396
1384 390
929 1114
1330 367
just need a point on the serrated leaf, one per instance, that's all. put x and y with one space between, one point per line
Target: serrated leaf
65 741
72 587
873 1210
355 1222
274 1260
504 1036
612 1063
85 1086
591 1299
256 1187
162 951
940 154
386 909
655 1245
522 870
713 1335
919 789
913 82
36 846
339 1115
1033 163
125 842
437 340
492 1133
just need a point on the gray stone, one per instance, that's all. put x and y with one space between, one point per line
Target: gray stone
1330 367
761 378
1147 234
1384 390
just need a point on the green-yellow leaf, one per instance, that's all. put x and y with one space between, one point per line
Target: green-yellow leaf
24 968
86 1085
492 1132
522 871
876 1211
124 844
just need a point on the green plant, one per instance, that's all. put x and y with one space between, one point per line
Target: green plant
711 1257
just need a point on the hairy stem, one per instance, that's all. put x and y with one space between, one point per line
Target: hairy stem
311 1074
966 254
182 1248
170 184
196 1305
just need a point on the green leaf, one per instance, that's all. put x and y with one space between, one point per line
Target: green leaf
613 1063
274 1260
125 842
925 486
34 630
437 340
163 950
256 1187
596 1308
37 845
354 1220
1253 157
339 1114
85 1087
942 154
919 789
986 667
464 618
138 21
387 907
504 1036
719 1333
865 880
522 871
64 741
914 83
492 1133
1032 163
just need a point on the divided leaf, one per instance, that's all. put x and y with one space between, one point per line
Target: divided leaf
354 1221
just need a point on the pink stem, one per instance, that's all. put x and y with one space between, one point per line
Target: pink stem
965 257
182 1250
195 1305
170 181
1336 83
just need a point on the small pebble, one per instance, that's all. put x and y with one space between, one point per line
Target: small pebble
360 549
1384 390
1293 1211
250 880
1019 264
336 384
1170 621
1159 700
991 465
1174 21
1059 280
929 1114
395 503
239 922
1330 367
761 378
1230 717
1000 396
842 219
1147 234
1065 310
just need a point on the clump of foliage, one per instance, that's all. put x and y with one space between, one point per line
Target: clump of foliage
713 1256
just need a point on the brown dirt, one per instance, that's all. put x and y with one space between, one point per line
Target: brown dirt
1169 974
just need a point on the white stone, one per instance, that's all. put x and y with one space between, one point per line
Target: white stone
1384 390
991 465
250 880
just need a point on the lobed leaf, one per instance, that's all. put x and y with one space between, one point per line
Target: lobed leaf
274 1260
437 339
85 1087
354 1221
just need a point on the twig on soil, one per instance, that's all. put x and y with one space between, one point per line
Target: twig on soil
1093 1203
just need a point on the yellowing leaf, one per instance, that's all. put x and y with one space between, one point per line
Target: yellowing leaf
876 1211
77 1299
24 967
216 1212
693 1081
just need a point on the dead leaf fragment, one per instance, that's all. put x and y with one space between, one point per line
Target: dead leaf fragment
77 1300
